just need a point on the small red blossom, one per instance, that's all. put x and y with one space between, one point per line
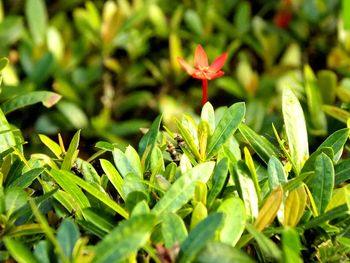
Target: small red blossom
202 70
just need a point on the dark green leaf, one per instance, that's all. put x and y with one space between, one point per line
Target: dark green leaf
67 235
228 124
173 229
129 236
71 153
259 143
149 140
47 98
26 179
266 245
219 179
342 172
199 237
323 182
215 252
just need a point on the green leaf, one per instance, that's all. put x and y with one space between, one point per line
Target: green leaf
199 237
124 165
74 114
296 129
67 235
193 21
182 190
125 239
149 140
113 176
259 143
199 212
208 115
71 153
47 98
336 141
246 189
327 82
266 245
234 221
173 230
291 246
342 172
188 138
215 252
334 213
20 252
276 173
41 251
134 160
75 180
52 145
337 113
26 179
227 125
314 101
345 14
98 219
36 15
64 179
15 198
7 137
218 182
323 182
3 63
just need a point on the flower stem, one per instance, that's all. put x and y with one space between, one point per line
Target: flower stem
205 91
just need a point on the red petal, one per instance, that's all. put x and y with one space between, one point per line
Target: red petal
218 63
189 69
215 75
200 57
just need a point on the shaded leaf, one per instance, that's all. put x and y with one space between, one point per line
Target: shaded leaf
199 237
129 236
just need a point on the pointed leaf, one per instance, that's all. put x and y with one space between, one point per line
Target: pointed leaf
323 182
113 176
182 190
198 237
259 143
47 98
71 153
234 221
20 252
269 210
295 128
128 237
219 179
294 207
227 125
173 229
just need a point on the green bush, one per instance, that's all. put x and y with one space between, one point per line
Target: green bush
264 180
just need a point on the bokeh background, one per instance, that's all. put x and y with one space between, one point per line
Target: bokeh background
114 62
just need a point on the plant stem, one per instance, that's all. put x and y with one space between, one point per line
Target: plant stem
205 91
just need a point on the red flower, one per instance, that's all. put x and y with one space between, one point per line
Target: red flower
202 70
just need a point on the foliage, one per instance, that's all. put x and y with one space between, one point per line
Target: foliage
219 184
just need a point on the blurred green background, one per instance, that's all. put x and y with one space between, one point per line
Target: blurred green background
114 62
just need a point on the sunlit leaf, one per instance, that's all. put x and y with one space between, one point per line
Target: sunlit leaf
295 128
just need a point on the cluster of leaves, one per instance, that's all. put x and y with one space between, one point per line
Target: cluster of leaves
216 191
114 61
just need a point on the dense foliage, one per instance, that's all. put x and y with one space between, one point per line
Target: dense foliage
261 176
